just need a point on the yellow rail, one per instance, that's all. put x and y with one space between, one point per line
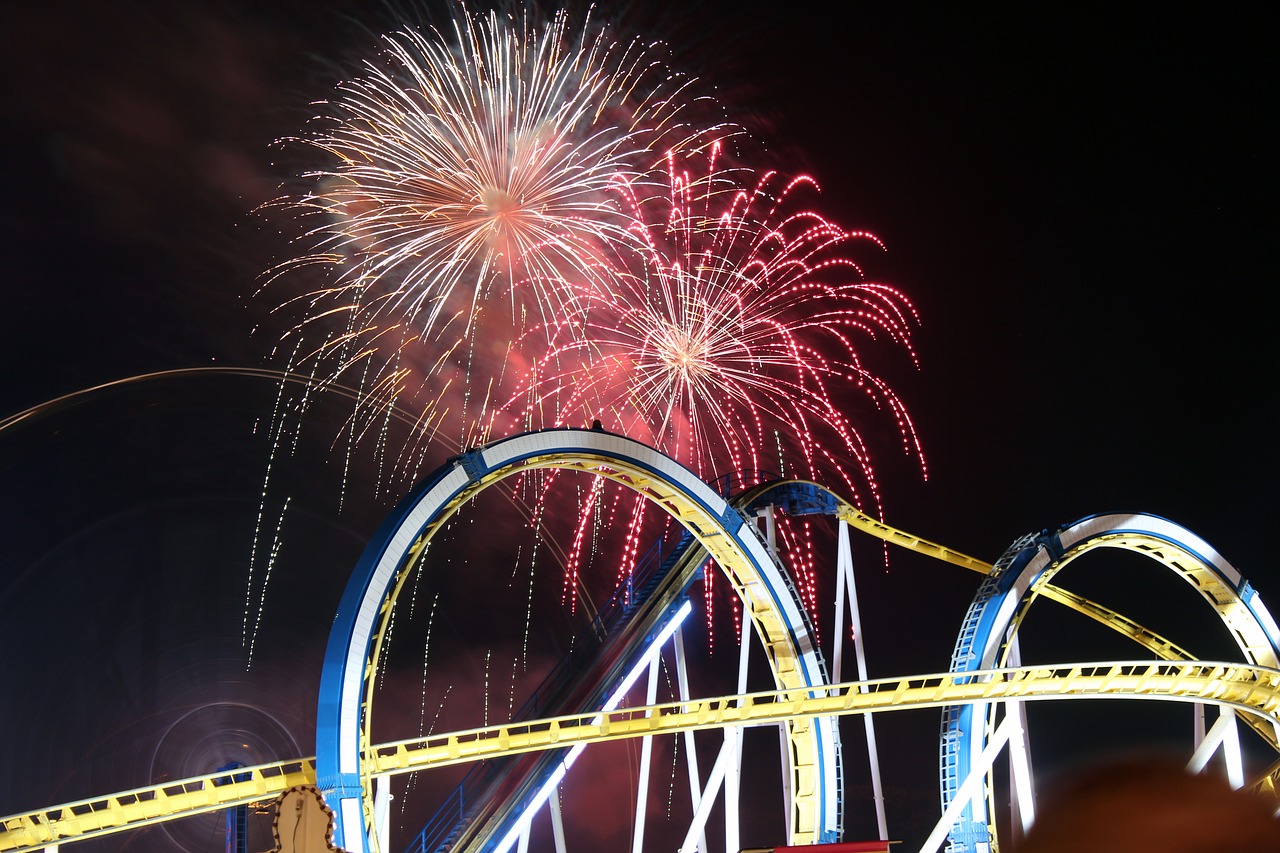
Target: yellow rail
1160 646
861 521
1254 690
143 806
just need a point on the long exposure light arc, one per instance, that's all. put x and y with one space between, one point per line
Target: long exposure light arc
275 375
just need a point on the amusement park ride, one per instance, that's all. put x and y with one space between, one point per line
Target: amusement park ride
982 698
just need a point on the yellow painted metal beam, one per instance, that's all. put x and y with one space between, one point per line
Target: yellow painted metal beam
1158 645
144 806
1255 690
859 520
1161 647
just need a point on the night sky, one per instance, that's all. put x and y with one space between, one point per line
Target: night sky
1081 207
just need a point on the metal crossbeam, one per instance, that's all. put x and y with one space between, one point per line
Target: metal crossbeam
1161 646
1252 689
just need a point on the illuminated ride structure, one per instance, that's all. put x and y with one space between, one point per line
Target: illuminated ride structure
982 698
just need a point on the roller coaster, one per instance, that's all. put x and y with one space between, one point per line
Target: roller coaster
518 764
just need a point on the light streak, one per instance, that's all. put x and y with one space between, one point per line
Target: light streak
654 649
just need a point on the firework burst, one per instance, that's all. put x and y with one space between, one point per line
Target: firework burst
459 164
459 167
731 338
498 250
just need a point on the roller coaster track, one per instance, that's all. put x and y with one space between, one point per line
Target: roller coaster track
1006 594
343 720
1255 690
1251 689
818 499
347 762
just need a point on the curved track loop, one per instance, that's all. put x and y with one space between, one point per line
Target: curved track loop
345 710
1025 572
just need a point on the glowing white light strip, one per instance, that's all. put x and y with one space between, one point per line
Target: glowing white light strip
352 816
655 649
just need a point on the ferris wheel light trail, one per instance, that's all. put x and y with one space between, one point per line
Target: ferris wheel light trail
651 654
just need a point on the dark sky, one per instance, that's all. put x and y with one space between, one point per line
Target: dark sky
1081 206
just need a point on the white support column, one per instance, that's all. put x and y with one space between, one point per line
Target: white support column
646 756
714 782
784 750
784 742
557 821
1021 778
522 826
733 742
690 746
770 529
732 786
845 581
382 811
970 786
1223 735
837 641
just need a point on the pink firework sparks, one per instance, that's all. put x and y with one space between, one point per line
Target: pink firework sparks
730 339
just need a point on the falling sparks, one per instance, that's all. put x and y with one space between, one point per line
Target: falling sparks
518 226
739 322
466 169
